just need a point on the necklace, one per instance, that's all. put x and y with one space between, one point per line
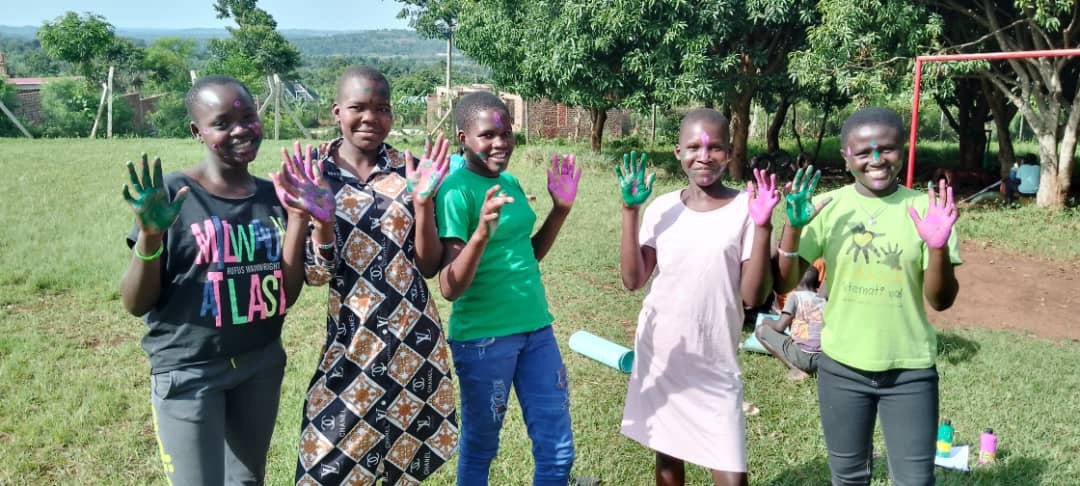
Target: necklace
871 219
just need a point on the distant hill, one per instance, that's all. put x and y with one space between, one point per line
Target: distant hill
368 43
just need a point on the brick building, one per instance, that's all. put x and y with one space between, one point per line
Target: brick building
538 118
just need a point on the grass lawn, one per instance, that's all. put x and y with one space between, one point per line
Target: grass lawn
75 392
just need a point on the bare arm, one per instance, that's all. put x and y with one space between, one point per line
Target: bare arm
781 324
292 256
544 239
429 248
140 286
939 281
789 269
461 259
757 271
636 262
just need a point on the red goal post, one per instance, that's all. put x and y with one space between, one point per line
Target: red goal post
988 56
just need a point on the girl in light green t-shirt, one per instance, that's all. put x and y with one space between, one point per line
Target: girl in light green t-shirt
887 247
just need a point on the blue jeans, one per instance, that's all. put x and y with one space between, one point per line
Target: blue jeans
486 368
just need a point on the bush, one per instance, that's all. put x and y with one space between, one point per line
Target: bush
7 95
169 118
69 107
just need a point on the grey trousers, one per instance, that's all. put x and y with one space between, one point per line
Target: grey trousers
214 421
906 401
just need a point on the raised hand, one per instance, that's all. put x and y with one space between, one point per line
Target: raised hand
563 177
494 200
935 227
423 180
765 199
800 205
635 189
151 205
300 186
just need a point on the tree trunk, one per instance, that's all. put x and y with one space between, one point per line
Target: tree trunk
821 131
772 135
972 110
1003 114
599 117
740 132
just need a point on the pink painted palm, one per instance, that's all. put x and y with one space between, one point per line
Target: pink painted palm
765 199
563 177
300 186
935 227
423 179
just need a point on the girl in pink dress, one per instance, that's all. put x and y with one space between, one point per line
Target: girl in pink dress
706 249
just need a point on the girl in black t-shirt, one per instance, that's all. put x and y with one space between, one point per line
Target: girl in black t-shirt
216 262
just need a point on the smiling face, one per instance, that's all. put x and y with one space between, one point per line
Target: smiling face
873 153
362 111
224 118
703 152
488 141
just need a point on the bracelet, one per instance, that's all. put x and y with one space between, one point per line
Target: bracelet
148 258
787 254
323 246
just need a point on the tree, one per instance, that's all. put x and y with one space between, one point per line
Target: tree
167 62
878 42
7 96
80 40
434 19
255 50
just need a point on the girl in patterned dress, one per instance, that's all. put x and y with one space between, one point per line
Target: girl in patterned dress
381 403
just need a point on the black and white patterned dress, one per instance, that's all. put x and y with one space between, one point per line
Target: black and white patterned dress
381 403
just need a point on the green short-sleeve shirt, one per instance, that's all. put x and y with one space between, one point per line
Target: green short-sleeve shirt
875 319
507 295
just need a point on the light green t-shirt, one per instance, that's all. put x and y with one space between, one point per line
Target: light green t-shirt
875 259
506 296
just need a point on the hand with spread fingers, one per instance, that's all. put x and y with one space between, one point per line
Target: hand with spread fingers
800 192
423 179
490 212
936 225
300 186
153 210
765 199
563 178
635 188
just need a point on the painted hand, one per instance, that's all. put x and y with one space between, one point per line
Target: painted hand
765 199
800 205
935 227
635 189
300 186
153 210
563 177
490 212
423 180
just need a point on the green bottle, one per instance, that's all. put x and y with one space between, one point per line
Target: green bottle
944 438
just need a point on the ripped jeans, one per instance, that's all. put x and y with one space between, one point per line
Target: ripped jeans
486 370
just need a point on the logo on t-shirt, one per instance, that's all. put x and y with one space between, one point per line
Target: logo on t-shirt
244 280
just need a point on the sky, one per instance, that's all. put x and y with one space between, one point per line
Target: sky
178 14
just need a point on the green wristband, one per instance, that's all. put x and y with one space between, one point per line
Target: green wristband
150 258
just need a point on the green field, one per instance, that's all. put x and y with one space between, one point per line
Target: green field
74 394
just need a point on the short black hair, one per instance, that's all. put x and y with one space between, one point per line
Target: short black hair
466 109
872 115
707 115
204 82
363 72
811 279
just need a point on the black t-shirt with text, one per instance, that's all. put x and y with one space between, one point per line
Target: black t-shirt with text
222 289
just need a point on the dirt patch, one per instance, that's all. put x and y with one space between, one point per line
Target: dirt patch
1010 291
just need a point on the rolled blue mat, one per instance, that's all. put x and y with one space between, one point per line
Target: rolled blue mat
602 350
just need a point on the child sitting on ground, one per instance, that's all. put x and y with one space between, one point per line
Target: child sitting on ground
803 310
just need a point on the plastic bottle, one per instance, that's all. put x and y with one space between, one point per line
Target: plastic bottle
987 447
944 438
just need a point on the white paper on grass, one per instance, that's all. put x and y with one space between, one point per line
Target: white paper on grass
958 459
